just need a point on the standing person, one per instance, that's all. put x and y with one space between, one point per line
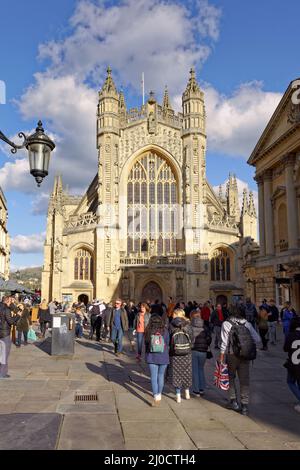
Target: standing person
53 306
288 314
205 314
239 340
250 312
157 308
44 317
273 318
170 307
217 319
23 324
157 340
140 324
118 326
95 319
262 323
79 318
7 320
292 347
131 314
201 343
106 321
180 370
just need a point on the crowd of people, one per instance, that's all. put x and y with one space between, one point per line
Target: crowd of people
176 338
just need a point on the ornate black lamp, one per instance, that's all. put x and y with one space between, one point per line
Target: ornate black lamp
39 147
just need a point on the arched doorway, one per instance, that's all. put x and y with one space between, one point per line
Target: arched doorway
83 298
221 299
152 292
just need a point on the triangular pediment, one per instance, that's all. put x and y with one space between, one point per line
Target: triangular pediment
284 119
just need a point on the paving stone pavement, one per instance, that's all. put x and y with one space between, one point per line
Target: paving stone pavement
38 408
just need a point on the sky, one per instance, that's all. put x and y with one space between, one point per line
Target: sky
53 63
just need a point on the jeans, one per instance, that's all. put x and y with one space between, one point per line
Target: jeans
272 331
240 367
7 344
19 339
117 338
218 336
294 386
157 372
78 330
140 341
198 361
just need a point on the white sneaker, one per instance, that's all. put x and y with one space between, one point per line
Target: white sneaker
187 394
297 408
178 397
158 397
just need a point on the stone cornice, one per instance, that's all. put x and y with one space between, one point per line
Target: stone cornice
289 159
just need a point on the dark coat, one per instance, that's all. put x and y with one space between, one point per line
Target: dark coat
44 315
24 322
201 335
6 320
290 346
124 319
180 370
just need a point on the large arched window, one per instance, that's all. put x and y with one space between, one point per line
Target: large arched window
152 197
220 265
83 265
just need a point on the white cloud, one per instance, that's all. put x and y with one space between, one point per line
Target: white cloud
241 186
162 39
28 243
234 123
40 204
15 267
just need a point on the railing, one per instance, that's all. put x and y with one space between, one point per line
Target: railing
81 220
154 260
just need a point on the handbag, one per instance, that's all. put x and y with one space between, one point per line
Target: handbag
209 354
221 377
31 335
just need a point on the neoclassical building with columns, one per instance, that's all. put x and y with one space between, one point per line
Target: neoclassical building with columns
274 269
149 225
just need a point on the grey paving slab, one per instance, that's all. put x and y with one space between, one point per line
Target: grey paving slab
91 434
260 441
90 408
132 429
159 444
215 439
150 414
29 431
35 407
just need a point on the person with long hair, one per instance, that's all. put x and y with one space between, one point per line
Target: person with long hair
44 317
23 324
157 358
180 370
202 341
140 324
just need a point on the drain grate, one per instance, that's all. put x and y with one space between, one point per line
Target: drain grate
86 397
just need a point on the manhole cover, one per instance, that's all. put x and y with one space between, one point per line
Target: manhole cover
86 397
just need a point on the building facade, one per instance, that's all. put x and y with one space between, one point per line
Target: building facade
4 239
150 225
273 269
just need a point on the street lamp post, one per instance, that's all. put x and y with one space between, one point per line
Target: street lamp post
39 147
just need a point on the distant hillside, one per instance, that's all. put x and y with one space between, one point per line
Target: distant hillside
29 277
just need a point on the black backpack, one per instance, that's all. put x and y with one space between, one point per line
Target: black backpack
241 342
181 343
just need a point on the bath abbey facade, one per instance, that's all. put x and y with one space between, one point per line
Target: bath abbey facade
149 225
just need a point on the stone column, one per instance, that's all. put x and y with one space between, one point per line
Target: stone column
291 202
261 211
269 225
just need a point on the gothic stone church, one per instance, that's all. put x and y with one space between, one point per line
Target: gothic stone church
149 225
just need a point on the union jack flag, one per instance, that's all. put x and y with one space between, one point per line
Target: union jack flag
221 378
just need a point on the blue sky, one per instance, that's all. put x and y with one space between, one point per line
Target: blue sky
245 55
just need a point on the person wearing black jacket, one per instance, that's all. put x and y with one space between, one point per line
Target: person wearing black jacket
273 318
202 341
7 319
292 347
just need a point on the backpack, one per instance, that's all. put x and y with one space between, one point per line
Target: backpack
157 343
181 343
242 343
